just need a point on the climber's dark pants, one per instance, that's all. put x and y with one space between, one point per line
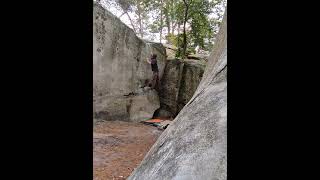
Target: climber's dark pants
155 79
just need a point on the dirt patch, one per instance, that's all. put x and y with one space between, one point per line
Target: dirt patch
119 147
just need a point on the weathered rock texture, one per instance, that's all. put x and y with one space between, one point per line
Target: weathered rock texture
120 69
195 145
171 50
178 84
191 76
170 85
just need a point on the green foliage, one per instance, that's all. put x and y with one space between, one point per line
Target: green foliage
172 39
190 46
141 8
191 50
154 28
201 26
199 22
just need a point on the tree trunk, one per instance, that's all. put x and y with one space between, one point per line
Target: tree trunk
140 20
173 28
178 43
168 25
166 7
168 17
161 20
184 28
172 17
184 40
134 29
122 15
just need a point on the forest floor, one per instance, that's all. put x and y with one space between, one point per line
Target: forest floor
119 147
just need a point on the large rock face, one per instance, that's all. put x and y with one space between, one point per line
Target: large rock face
178 84
170 85
191 76
120 69
195 145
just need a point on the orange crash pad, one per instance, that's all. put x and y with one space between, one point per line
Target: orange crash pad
153 121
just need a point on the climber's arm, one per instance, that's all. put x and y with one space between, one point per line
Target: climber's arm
148 60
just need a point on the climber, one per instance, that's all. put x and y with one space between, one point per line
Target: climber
155 70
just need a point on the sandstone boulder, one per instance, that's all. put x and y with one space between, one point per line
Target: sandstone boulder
191 76
178 84
170 85
120 69
143 106
171 50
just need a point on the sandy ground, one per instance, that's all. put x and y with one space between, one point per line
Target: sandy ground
119 147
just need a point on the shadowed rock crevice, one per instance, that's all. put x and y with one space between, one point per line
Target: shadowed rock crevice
178 84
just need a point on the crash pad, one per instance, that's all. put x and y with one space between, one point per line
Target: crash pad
153 121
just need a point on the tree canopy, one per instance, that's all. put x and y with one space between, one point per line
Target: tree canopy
186 24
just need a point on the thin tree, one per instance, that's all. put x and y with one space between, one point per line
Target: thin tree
186 17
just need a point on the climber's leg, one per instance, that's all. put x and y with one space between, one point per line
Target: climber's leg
154 80
150 83
158 82
146 83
